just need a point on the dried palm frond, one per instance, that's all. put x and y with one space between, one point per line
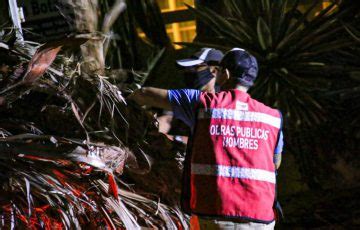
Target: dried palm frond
65 139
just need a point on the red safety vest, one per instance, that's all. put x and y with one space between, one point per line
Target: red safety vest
232 171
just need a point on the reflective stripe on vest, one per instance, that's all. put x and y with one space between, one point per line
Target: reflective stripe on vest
239 115
233 172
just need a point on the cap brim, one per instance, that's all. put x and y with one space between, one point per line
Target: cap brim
189 62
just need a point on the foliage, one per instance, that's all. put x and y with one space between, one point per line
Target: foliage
351 95
128 51
296 51
65 139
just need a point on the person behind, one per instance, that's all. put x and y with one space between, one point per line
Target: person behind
199 71
234 151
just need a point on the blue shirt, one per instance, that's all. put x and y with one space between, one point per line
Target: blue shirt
184 101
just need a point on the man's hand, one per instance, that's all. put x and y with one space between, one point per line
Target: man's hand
151 96
277 160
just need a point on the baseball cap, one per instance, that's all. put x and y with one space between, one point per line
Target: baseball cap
205 55
241 65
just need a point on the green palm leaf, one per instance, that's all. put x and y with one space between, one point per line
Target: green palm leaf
291 47
264 34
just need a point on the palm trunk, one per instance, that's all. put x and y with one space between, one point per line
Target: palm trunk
86 21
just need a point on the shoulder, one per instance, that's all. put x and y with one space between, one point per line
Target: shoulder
265 108
218 96
181 97
190 93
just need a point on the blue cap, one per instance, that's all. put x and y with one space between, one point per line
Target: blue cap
241 65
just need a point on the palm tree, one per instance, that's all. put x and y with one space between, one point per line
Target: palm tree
67 133
295 50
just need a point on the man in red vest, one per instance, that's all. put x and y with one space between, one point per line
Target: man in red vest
234 151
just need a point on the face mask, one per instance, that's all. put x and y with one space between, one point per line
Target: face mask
217 87
196 80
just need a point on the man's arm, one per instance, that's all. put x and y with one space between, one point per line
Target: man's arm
151 96
181 101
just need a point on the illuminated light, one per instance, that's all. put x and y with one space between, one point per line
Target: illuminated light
324 5
178 31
